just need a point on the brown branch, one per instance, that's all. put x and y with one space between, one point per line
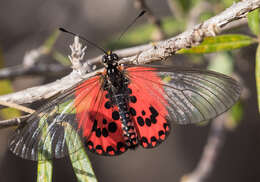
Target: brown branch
145 53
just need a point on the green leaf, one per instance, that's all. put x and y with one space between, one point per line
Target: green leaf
79 159
44 165
220 43
257 75
253 21
6 88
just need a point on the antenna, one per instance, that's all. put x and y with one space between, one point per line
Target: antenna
83 38
136 18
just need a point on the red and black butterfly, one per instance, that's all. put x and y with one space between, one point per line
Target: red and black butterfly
123 107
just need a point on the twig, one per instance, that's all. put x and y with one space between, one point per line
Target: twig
14 121
17 106
40 69
77 55
147 53
211 151
159 34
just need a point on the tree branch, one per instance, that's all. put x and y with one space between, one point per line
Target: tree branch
143 54
40 69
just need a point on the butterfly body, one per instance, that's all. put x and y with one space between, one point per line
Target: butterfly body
116 85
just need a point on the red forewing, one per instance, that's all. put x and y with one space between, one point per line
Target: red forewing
148 107
99 121
192 95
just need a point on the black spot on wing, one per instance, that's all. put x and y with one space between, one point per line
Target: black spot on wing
153 111
133 99
94 127
153 119
108 105
132 111
143 112
112 127
140 121
104 121
148 122
104 132
115 115
129 91
98 132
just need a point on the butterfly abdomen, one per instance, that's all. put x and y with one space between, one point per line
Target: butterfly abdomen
127 122
116 84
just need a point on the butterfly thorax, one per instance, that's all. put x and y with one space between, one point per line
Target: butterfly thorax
116 85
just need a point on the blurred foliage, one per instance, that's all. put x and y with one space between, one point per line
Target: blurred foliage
49 43
64 60
220 43
6 88
143 34
186 5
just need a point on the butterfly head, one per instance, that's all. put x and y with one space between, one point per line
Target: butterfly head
110 59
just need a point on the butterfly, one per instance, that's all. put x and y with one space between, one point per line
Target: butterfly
123 107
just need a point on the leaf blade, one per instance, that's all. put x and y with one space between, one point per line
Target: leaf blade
219 43
79 159
253 21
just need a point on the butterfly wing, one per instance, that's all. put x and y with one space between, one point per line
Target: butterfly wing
184 95
46 134
104 136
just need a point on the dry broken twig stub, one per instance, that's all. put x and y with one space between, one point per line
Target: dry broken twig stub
76 57
145 53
